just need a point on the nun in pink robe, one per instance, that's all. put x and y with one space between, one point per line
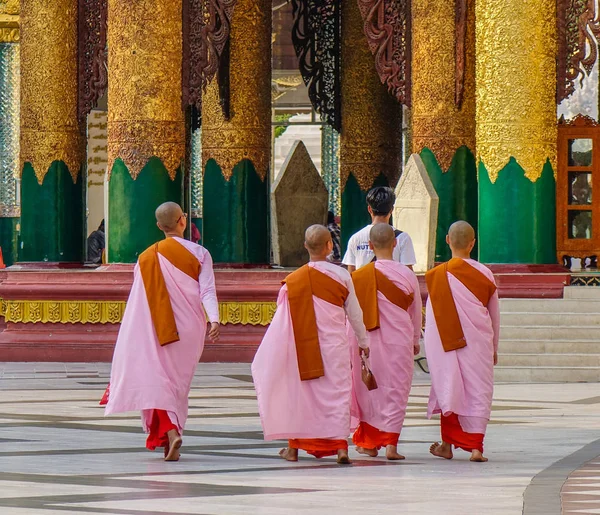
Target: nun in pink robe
320 408
155 379
392 347
462 381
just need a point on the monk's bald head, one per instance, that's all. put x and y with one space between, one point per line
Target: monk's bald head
461 235
382 236
168 215
316 238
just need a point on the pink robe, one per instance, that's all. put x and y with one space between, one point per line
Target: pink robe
462 381
391 355
320 408
146 376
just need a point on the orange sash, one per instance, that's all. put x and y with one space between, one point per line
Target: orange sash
442 301
157 294
302 285
367 280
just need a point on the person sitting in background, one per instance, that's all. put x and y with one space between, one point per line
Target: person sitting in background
95 245
335 232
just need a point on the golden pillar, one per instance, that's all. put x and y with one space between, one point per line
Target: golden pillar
516 129
51 152
236 150
439 122
146 129
371 137
443 108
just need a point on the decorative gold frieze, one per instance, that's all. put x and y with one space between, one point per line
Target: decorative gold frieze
111 312
145 118
370 141
64 312
438 123
516 84
9 29
49 126
247 134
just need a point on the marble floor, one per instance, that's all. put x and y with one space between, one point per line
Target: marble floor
59 455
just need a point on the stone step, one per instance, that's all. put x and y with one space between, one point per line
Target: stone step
515 332
551 319
549 360
582 292
549 347
546 374
570 305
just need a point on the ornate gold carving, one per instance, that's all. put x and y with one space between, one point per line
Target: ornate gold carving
111 312
370 142
145 118
64 312
516 84
49 126
247 313
136 141
10 7
9 29
247 135
437 123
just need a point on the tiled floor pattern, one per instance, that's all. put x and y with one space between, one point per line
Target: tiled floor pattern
59 455
581 492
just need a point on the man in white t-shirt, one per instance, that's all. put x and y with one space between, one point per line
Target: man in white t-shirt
380 203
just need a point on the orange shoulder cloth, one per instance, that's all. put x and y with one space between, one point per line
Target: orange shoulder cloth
442 301
302 285
367 281
157 294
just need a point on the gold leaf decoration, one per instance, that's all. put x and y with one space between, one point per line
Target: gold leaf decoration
49 125
111 312
516 84
247 134
145 117
437 122
370 141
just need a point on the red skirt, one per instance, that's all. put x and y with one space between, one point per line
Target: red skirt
160 425
453 433
318 447
370 437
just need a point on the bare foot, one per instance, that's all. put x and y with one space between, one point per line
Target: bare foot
367 452
391 453
441 450
175 441
343 458
289 454
478 456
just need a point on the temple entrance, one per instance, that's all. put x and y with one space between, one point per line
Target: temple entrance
578 209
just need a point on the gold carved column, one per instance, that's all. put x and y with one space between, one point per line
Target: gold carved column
236 149
439 122
516 129
371 137
146 129
443 108
51 143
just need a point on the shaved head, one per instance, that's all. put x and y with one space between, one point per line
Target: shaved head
167 215
382 236
461 235
316 238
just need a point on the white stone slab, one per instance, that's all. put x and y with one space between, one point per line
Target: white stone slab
416 211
